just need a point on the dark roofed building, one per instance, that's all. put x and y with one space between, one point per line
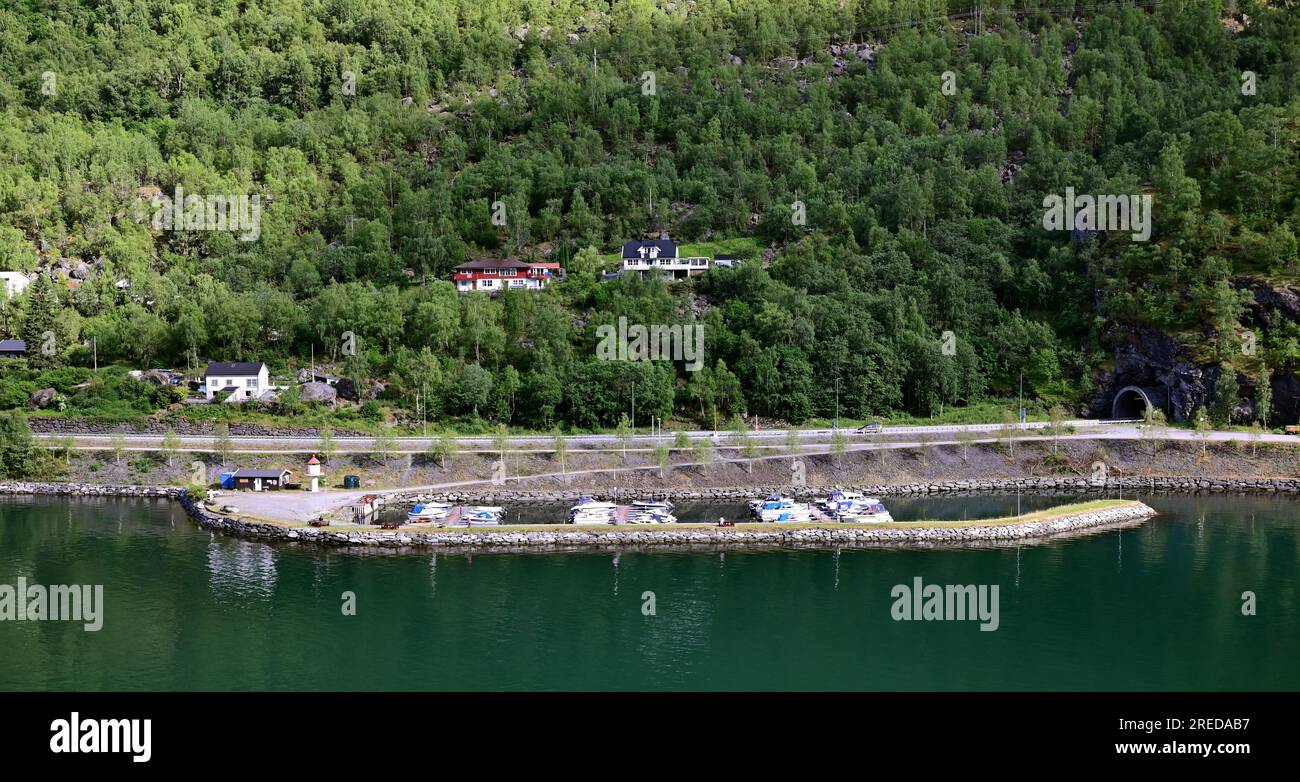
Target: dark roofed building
660 256
257 480
234 368
650 250
12 348
246 379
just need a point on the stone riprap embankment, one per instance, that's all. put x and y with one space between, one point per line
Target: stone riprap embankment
87 426
88 489
919 534
1049 485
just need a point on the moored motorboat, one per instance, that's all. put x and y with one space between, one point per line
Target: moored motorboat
855 507
652 504
428 511
480 518
589 511
648 516
776 507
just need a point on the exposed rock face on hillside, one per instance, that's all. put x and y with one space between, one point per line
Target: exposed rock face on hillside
317 392
1153 361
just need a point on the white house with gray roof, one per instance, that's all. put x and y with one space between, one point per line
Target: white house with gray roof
248 380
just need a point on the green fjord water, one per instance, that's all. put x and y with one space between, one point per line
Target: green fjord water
1151 608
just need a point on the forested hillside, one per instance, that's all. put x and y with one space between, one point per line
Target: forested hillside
380 132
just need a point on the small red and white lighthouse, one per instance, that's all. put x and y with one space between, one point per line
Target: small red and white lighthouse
315 471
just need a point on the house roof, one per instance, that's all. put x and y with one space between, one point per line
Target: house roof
233 368
667 248
243 473
313 460
13 345
492 263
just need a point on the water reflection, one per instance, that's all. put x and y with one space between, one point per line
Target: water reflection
1115 610
241 569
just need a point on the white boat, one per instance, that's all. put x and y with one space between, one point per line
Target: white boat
649 516
480 518
839 499
428 511
776 507
587 503
589 511
855 507
592 519
659 505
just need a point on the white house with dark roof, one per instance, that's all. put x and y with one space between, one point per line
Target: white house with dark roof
660 255
248 380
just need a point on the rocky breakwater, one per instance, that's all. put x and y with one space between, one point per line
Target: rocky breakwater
920 534
89 490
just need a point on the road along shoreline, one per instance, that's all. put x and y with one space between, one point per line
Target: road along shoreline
1029 528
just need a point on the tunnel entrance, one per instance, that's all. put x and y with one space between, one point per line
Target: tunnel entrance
1130 402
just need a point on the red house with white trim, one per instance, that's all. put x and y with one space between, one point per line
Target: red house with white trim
499 274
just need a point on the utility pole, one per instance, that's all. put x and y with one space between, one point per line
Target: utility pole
1022 397
633 392
94 350
837 404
